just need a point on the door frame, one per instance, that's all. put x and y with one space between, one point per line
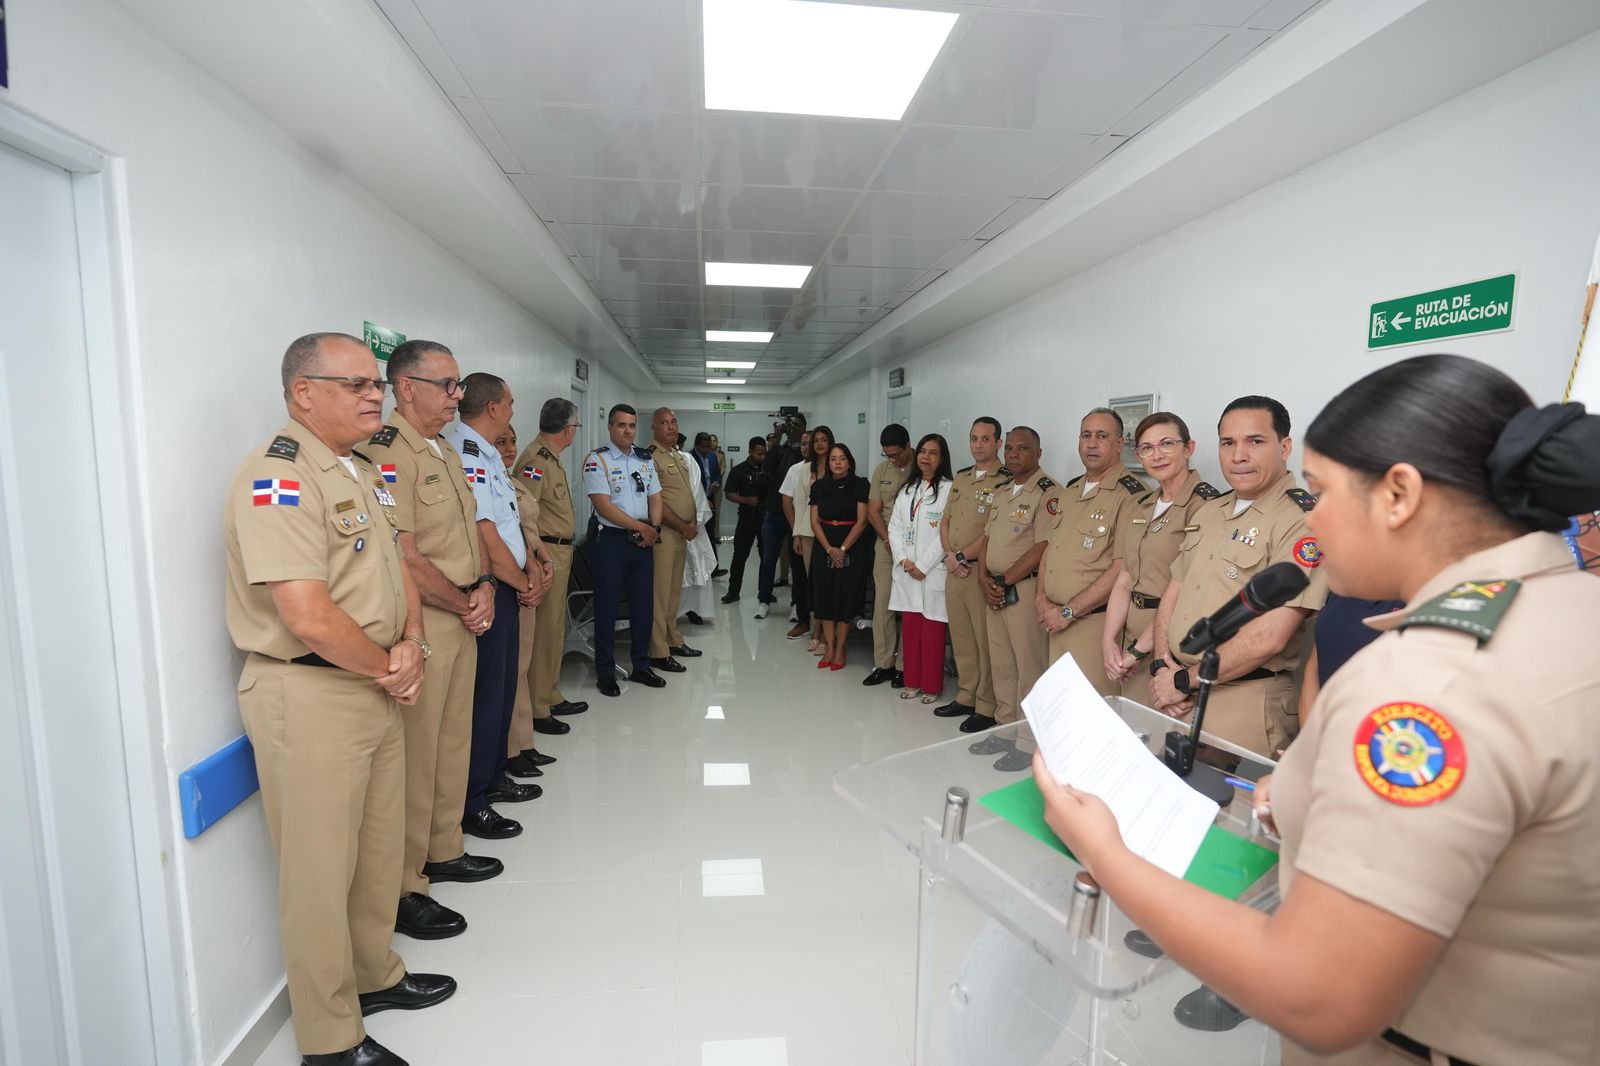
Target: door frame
116 407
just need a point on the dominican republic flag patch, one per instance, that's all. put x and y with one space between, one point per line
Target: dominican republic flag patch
388 472
477 475
533 473
264 492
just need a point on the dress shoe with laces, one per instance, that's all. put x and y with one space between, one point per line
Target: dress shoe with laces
367 1053
720 571
1208 1012
566 707
423 918
990 745
694 618
669 665
551 726
730 597
954 710
685 651
977 723
899 679
1013 761
490 824
522 766
608 686
878 676
537 757
465 868
513 792
414 991
648 678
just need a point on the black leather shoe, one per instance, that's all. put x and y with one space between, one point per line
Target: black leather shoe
1013 761
566 707
694 618
412 992
719 572
648 679
954 710
464 867
731 597
977 723
990 745
522 766
552 726
537 757
782 582
669 665
1139 942
686 652
899 679
878 676
1208 1012
512 792
608 687
490 824
422 918
367 1053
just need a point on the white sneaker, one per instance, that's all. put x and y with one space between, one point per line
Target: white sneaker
761 610
794 614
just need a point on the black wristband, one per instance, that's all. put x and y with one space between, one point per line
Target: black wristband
1180 681
1157 665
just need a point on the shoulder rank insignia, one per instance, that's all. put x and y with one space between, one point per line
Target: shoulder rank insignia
544 453
1002 472
1131 483
651 449
469 447
1474 607
283 448
964 469
358 455
1410 754
1303 498
1073 482
1146 498
1206 491
1045 483
642 453
385 436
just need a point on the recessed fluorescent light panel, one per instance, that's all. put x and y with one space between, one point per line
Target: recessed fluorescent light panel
725 381
761 55
760 275
739 336
714 364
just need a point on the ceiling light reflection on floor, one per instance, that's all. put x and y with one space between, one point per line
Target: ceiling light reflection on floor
714 711
726 774
731 877
762 1051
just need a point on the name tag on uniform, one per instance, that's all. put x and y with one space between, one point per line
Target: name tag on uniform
345 505
430 479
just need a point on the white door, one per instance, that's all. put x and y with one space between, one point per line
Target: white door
900 409
73 983
583 442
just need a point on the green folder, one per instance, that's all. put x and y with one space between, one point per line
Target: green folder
1226 864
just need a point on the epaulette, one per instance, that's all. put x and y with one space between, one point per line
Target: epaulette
1131 483
1045 483
641 453
385 436
545 452
1071 483
998 485
283 448
1206 491
1474 607
964 469
469 446
1002 472
1146 497
651 449
1303 498
358 455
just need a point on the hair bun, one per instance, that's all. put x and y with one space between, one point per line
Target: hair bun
1545 467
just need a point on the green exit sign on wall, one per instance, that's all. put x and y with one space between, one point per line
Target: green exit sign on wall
382 341
722 407
1476 307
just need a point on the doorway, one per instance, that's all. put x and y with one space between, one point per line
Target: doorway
900 409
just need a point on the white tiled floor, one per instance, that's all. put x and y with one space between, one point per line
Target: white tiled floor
610 940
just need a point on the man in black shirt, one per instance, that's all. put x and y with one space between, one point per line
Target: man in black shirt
746 485
783 451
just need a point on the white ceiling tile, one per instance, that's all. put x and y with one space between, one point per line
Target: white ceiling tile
593 142
1013 214
666 204
745 149
1193 12
483 128
876 283
1077 166
747 246
760 207
1227 53
674 272
909 214
959 253
877 249
618 52
975 162
634 289
1277 14
633 242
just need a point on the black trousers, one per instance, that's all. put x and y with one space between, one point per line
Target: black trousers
799 587
745 534
622 567
494 693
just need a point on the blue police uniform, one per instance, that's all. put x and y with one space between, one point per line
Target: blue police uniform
620 565
494 689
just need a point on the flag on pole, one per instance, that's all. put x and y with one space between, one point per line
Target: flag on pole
1583 386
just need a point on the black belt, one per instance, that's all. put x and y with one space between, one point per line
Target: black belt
1260 673
311 658
1098 610
1145 603
556 540
1418 1048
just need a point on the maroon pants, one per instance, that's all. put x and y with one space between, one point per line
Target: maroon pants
922 641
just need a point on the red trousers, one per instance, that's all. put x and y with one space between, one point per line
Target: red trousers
922 641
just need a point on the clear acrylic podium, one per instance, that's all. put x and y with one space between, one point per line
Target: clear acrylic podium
1018 961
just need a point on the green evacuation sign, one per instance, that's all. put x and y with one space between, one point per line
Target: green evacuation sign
722 407
861 418
382 341
1476 307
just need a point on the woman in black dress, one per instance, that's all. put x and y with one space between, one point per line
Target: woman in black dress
838 571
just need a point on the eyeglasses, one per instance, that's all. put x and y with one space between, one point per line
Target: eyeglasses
359 386
451 386
1168 445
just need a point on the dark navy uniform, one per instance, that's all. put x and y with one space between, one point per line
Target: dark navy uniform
620 564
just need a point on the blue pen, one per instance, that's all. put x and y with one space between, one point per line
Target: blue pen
1239 782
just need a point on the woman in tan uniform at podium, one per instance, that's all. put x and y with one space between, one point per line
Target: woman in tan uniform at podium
1440 811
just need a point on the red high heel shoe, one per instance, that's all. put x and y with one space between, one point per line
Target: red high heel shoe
823 664
836 666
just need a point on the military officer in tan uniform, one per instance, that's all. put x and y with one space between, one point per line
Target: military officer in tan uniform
887 480
1440 896
1147 540
319 598
1025 507
678 528
961 529
439 540
1080 566
1262 523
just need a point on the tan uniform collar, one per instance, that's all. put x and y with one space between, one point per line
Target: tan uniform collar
1532 553
409 433
1112 475
1269 494
1185 493
311 445
544 445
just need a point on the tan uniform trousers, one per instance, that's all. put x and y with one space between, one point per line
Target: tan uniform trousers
1017 650
438 731
520 735
969 638
330 752
1084 641
885 623
1258 715
1137 687
671 552
551 637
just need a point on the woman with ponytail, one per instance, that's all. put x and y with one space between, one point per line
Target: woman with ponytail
1440 812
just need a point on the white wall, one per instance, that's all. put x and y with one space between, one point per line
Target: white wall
1270 294
838 407
240 240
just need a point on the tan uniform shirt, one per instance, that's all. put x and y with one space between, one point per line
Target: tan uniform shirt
1147 544
293 513
432 499
971 500
1216 560
886 481
539 470
528 510
1083 535
1021 517
676 495
1453 780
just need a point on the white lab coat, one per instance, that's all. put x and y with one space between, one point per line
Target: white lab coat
919 542
700 559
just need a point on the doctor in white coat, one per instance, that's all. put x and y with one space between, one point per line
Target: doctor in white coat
919 573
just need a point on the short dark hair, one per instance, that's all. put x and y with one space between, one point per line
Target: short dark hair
894 434
304 355
702 438
1030 431
1279 413
478 392
1122 430
1158 418
620 409
556 414
751 446
985 420
408 356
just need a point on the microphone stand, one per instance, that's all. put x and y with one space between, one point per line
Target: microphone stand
1180 751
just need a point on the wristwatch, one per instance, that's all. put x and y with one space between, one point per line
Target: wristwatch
961 558
1158 665
1066 612
483 579
421 642
1180 681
